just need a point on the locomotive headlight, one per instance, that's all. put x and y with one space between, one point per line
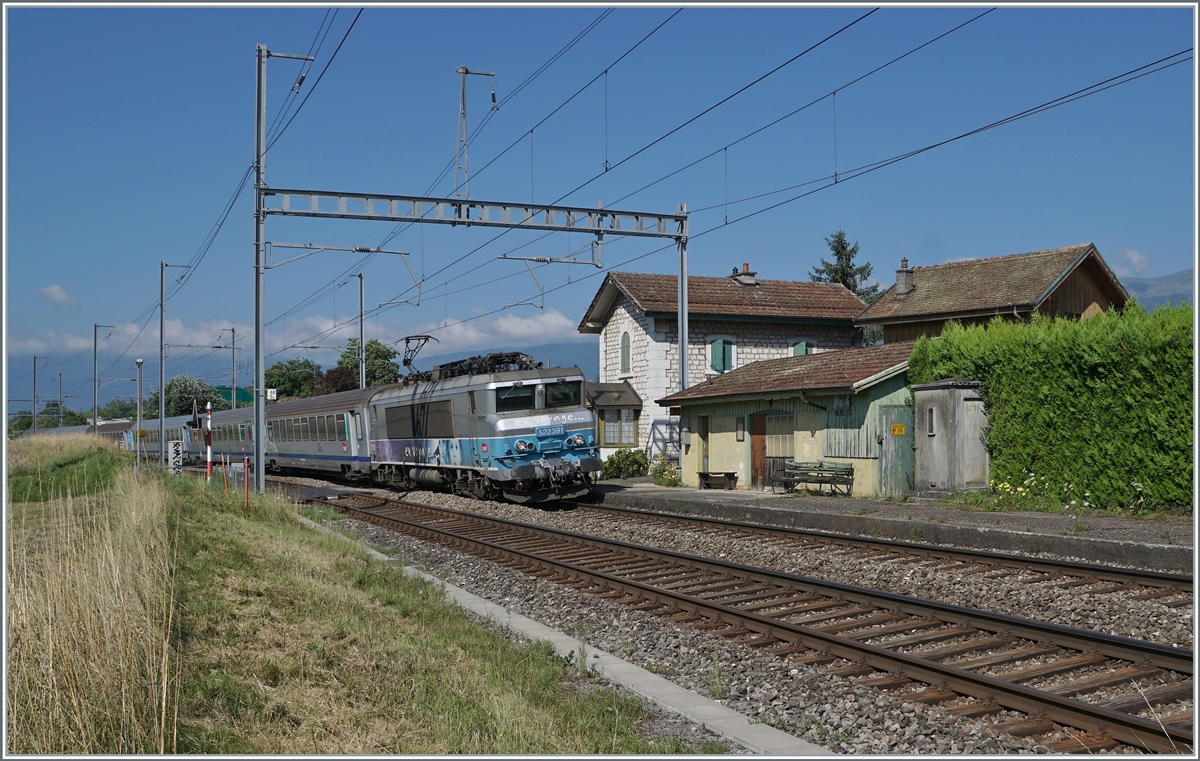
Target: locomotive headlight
577 440
524 446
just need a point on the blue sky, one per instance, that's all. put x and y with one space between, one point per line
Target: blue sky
128 129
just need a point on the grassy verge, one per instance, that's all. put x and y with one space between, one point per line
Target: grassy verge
294 641
89 580
1002 502
45 467
157 616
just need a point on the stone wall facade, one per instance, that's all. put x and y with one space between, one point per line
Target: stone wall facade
654 358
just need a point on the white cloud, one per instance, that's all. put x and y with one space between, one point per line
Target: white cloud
18 346
550 326
1130 262
56 295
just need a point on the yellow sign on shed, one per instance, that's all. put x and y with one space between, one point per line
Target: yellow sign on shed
897 429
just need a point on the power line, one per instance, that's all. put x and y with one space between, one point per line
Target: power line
811 103
658 139
1094 89
358 266
591 82
207 243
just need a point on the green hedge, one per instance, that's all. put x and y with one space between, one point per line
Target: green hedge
1098 411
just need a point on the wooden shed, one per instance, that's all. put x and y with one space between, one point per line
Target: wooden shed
950 452
845 406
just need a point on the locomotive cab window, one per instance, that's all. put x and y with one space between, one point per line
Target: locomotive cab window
563 394
514 398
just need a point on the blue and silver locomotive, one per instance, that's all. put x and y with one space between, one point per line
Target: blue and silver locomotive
487 427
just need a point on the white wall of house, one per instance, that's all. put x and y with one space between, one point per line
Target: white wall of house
654 358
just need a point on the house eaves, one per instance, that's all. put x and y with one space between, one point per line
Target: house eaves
879 377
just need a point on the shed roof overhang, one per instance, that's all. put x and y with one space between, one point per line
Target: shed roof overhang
612 396
854 388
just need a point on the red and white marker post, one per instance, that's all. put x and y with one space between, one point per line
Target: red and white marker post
208 441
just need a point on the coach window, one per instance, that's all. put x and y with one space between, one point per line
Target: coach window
312 429
241 431
341 426
358 425
287 430
321 429
330 428
304 429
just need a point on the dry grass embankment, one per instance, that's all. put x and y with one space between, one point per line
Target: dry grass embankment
89 579
149 615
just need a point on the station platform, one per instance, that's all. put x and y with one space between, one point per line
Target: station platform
1154 543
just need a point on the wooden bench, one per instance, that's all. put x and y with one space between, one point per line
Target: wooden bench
726 479
821 473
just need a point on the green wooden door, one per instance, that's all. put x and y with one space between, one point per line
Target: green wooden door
896 452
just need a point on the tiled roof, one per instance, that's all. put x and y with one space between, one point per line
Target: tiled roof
980 285
827 370
725 297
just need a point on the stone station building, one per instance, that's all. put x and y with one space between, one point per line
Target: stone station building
732 321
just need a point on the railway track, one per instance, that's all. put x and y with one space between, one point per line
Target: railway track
973 662
1173 589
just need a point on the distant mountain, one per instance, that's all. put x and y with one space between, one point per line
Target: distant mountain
583 354
1151 292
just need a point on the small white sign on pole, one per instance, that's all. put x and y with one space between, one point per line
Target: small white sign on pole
175 457
271 395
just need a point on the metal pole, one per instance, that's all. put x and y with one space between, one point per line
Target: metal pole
95 378
162 360
35 359
137 432
60 412
233 369
682 318
362 346
260 220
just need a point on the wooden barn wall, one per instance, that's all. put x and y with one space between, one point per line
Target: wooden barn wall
910 330
855 435
1078 292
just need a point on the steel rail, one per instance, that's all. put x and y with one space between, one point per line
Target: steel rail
1122 727
1000 559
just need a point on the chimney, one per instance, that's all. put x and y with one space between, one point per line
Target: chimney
745 277
904 283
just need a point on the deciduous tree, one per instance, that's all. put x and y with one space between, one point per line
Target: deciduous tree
380 367
292 378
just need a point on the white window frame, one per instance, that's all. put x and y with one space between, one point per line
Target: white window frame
708 358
